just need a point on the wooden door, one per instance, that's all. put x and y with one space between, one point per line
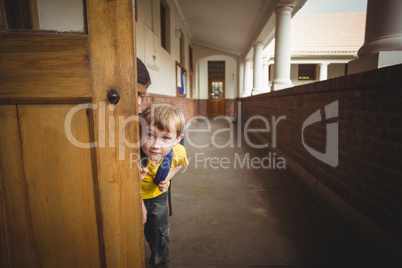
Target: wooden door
69 196
216 100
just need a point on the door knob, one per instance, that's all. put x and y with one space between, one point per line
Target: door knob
113 95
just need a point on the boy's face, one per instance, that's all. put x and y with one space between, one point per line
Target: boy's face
157 143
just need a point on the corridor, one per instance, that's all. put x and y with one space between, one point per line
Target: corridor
238 206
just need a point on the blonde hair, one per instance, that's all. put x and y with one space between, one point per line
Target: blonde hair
164 116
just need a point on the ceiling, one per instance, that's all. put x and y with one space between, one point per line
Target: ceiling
231 26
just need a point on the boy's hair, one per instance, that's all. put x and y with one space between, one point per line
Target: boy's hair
164 116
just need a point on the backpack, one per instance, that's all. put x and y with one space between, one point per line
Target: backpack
162 172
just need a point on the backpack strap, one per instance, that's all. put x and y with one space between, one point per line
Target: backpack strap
162 173
170 187
164 168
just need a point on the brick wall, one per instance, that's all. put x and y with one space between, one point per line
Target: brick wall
230 107
190 107
201 107
369 173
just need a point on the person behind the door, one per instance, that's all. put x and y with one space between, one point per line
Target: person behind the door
143 83
143 80
161 134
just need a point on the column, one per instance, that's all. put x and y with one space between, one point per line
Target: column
240 81
324 71
265 70
282 46
247 79
257 72
383 37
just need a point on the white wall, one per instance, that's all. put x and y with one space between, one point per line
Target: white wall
163 68
336 70
201 57
61 15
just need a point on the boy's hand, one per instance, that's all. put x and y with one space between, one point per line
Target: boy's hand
144 213
163 185
144 172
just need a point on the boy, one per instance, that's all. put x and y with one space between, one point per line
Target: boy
159 136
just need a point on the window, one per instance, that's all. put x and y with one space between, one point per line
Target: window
216 69
182 55
190 73
190 58
165 25
270 77
136 8
307 72
61 15
216 90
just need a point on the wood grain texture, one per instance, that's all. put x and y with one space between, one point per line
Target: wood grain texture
44 66
18 217
6 113
48 188
33 8
55 192
113 64
216 107
5 254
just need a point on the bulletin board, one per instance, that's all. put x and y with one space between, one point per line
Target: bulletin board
181 80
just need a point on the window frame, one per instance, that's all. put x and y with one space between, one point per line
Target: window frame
165 25
182 42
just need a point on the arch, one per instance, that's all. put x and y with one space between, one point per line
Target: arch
231 76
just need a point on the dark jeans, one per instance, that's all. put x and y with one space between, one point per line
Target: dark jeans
157 230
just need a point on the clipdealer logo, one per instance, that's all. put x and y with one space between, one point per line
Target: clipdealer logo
330 156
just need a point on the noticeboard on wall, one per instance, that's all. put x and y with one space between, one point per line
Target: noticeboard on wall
181 80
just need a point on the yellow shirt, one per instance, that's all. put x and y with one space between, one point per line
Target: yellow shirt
149 188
